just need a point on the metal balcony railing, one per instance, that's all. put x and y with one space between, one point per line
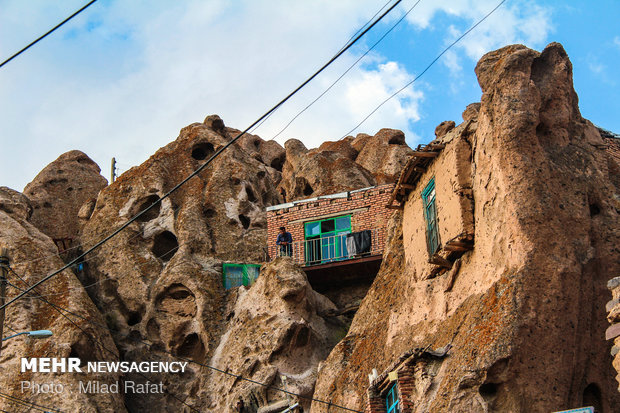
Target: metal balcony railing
327 249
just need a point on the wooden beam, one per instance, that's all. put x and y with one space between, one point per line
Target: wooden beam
390 206
407 186
460 244
419 169
420 154
457 248
441 261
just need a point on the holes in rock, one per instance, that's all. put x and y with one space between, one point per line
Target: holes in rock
83 349
488 390
251 196
594 209
178 292
202 150
592 397
69 189
151 213
245 221
261 174
277 163
177 299
192 348
308 189
208 212
256 143
47 205
397 140
236 181
165 245
133 318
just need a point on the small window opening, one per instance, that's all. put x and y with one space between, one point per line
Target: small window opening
308 189
165 245
392 400
277 163
594 209
251 196
430 218
245 221
192 348
592 397
134 317
201 150
256 143
151 213
488 391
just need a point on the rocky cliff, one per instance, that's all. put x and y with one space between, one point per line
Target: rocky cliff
58 192
32 255
522 311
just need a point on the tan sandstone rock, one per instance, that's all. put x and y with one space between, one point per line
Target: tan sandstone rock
276 329
33 255
58 192
523 311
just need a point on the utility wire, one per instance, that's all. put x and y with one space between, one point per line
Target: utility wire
137 340
346 71
425 69
48 33
89 336
29 404
204 165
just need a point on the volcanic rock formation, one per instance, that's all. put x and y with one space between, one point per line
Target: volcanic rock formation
276 329
522 311
58 192
82 334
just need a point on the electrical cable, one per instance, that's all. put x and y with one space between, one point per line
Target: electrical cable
345 44
425 69
48 33
346 71
89 336
204 165
29 404
137 340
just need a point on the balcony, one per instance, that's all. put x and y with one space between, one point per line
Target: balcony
329 262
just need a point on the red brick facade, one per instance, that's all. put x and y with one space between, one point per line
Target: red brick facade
366 206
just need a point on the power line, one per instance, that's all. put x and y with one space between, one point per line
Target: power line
26 403
204 165
89 336
343 46
251 131
48 33
137 340
346 71
425 69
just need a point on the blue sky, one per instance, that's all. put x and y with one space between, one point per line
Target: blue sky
124 77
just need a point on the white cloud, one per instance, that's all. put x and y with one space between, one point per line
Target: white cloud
617 41
123 78
514 22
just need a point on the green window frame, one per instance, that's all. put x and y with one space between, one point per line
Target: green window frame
236 275
430 217
392 401
325 239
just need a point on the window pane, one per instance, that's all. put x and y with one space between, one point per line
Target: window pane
343 223
312 229
327 225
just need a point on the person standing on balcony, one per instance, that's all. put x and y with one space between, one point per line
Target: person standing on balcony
285 241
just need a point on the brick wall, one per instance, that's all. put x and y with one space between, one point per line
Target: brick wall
369 213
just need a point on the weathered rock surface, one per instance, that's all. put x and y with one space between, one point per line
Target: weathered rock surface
444 127
275 330
32 255
384 155
161 279
58 192
312 173
523 311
